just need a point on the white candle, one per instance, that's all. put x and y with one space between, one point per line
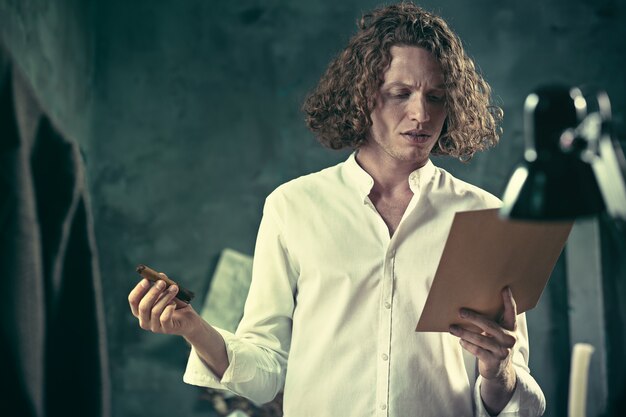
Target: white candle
581 355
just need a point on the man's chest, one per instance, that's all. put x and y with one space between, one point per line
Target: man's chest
391 213
354 250
391 210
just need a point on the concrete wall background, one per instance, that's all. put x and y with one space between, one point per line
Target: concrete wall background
188 116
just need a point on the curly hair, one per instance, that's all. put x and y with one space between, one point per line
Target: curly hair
338 110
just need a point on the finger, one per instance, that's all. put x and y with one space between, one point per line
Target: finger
490 327
480 353
167 318
147 302
163 301
179 303
165 277
509 317
480 340
161 296
135 296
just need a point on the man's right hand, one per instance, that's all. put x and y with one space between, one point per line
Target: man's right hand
159 311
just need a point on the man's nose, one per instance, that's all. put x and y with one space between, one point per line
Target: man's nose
418 109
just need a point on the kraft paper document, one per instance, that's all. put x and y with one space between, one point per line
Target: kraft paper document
484 254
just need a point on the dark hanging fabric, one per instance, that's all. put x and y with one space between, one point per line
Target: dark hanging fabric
52 329
21 312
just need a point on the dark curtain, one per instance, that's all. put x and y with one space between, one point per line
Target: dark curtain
52 339
613 233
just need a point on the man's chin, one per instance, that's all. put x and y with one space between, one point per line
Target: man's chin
418 156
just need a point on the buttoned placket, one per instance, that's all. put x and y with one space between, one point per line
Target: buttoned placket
384 355
385 309
384 334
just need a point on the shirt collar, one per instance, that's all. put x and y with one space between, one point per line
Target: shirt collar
364 181
421 176
358 176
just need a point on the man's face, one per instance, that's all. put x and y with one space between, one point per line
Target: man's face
410 108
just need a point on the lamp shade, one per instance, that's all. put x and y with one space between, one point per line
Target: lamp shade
551 184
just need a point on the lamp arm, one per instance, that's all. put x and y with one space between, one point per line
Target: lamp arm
609 169
592 140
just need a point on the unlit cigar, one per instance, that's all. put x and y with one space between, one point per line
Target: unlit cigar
152 275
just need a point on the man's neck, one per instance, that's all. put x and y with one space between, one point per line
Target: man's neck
390 175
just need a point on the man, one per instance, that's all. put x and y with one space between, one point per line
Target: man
345 257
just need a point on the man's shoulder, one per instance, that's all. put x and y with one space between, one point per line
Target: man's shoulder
313 185
456 188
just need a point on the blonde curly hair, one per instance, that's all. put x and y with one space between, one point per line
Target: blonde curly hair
338 110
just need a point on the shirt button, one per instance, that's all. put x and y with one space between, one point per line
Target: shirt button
387 305
383 406
384 356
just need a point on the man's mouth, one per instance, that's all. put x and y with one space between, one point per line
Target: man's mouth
416 135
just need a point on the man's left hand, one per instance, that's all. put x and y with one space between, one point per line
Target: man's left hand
493 346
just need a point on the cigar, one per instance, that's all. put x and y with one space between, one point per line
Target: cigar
152 275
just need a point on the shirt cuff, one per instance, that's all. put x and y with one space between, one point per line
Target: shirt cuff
527 400
198 373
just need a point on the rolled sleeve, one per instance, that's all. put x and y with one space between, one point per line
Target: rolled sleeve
258 351
527 400
198 373
251 371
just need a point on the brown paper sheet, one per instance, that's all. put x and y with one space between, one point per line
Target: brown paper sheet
483 255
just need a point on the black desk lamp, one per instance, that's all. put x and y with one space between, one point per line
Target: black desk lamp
572 166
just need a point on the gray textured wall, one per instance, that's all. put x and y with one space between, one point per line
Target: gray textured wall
188 115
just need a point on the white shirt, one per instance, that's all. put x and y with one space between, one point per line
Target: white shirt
334 302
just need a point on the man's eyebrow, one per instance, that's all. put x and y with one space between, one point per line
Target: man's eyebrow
396 84
441 86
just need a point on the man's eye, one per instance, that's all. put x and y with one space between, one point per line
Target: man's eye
437 98
400 95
